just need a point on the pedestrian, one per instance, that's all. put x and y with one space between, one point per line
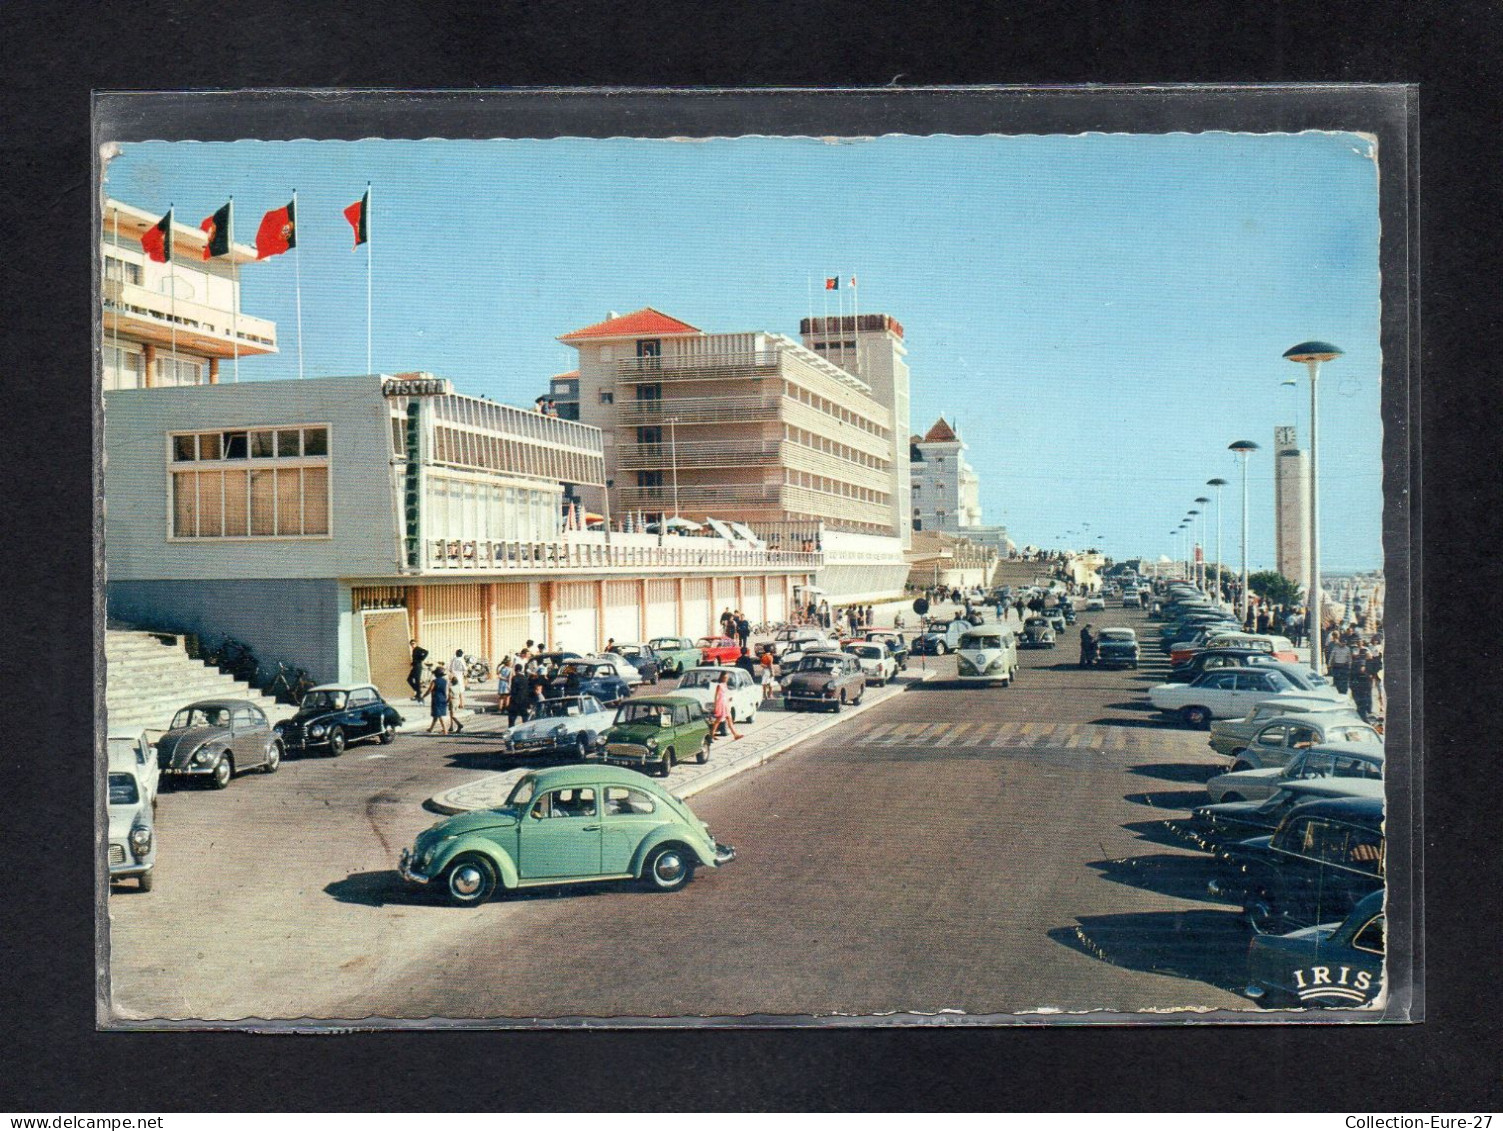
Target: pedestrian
1362 682
1339 660
438 701
1087 647
503 684
721 715
457 685
868 620
743 630
727 621
748 663
415 672
1375 679
1264 622
769 684
519 704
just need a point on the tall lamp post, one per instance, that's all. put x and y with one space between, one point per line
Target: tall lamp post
1310 355
1243 449
1201 502
1218 484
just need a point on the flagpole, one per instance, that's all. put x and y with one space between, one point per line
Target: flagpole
235 293
172 286
856 322
810 280
297 247
825 316
365 215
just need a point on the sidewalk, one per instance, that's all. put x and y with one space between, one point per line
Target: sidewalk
774 732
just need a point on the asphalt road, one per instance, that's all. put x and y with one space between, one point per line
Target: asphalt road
985 851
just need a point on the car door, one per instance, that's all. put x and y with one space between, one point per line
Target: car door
249 737
361 717
629 815
1217 693
560 837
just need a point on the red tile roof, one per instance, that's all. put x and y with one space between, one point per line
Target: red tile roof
646 322
941 433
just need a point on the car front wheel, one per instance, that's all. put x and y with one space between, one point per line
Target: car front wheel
336 742
144 880
668 868
388 733
940 649
665 765
1196 716
224 770
704 751
273 758
470 880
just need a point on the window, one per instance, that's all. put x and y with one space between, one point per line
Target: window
121 271
565 803
229 484
621 801
607 398
649 479
123 368
123 790
1273 736
243 720
176 369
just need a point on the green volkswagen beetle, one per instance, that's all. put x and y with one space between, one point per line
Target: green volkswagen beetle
657 731
566 825
676 654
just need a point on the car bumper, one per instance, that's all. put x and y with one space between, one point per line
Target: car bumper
623 754
406 870
123 863
1115 659
724 854
542 748
806 697
189 771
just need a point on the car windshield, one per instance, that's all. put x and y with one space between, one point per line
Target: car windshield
630 651
981 640
1119 635
561 708
522 793
711 641
670 643
866 652
699 678
201 717
818 664
641 712
123 790
583 671
1352 734
324 700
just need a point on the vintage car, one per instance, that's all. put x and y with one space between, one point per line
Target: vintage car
939 637
1095 604
1229 821
1227 694
676 654
132 843
824 679
1215 659
896 645
798 639
1276 646
1331 760
589 677
620 665
1117 648
1229 737
718 650
334 715
876 661
215 739
1037 633
744 691
1325 857
1058 618
569 727
657 731
135 752
1337 964
1280 737
644 659
988 654
549 663
566 825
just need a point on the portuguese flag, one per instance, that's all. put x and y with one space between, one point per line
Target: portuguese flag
358 214
157 242
278 232
218 228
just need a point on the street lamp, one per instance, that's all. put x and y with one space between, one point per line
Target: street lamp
1311 354
1201 501
1244 448
1218 484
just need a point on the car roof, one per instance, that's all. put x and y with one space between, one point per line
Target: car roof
556 777
660 700
227 704
1351 808
1360 748
1335 787
343 687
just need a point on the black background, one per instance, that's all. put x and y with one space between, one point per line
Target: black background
53 1059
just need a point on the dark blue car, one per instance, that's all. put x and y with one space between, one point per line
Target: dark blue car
1338 964
589 677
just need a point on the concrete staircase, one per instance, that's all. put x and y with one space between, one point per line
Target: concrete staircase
150 676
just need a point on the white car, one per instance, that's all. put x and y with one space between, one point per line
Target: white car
876 662
1093 604
132 845
623 667
699 684
565 727
1333 761
133 752
1229 693
987 654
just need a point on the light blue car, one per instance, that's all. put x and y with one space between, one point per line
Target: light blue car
568 727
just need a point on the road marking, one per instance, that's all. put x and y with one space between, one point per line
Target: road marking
368 757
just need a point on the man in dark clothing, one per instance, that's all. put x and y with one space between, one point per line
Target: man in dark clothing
1087 647
743 630
1263 622
1362 681
519 706
748 663
415 673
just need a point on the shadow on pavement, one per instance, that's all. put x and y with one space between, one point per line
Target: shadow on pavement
1167 832
380 889
1133 705
1176 771
1202 946
1142 724
1170 799
1177 875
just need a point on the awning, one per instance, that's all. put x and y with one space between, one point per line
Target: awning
721 529
747 533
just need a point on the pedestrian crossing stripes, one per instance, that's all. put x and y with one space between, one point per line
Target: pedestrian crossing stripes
1065 736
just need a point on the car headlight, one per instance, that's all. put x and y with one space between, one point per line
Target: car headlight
651 744
318 731
140 840
200 756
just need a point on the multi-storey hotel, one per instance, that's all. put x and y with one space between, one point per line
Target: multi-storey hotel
753 426
175 323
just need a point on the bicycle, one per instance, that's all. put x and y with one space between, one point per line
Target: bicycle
290 684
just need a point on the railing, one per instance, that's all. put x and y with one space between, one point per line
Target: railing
699 410
131 300
750 363
726 498
674 553
696 453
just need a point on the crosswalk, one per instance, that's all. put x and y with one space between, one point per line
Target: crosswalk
1065 736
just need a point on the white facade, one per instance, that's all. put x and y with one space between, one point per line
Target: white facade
1291 502
946 490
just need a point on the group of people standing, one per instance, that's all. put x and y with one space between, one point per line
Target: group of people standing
1356 665
735 626
444 692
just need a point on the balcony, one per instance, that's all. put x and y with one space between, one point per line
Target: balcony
703 367
697 499
699 410
698 453
134 312
673 554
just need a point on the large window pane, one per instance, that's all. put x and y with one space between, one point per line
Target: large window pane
289 501
185 504
289 442
315 500
263 502
263 445
208 445
236 512
184 447
210 504
315 441
235 445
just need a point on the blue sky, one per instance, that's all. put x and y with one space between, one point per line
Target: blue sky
1102 313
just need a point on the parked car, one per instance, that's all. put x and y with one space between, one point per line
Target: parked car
569 727
1230 737
1225 694
939 637
1278 743
1056 618
675 654
644 658
1094 604
1212 660
589 677
745 693
1227 822
333 715
718 650
877 664
133 751
1276 646
566 825
549 663
1331 964
1117 648
132 851
1037 633
1334 760
1325 857
215 739
657 731
796 639
824 679
988 654
895 644
620 665
1131 599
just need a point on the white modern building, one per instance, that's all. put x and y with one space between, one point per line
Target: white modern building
945 489
1291 505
